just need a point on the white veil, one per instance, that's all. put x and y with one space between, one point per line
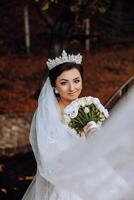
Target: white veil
98 168
48 139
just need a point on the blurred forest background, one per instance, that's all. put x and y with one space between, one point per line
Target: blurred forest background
30 32
52 25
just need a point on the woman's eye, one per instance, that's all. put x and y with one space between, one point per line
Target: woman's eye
76 81
63 83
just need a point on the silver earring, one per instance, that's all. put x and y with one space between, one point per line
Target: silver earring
56 91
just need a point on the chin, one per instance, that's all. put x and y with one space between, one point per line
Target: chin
73 98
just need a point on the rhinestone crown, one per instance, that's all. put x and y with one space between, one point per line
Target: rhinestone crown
51 63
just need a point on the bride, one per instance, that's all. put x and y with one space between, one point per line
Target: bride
99 166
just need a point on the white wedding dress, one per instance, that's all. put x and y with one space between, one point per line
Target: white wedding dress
100 167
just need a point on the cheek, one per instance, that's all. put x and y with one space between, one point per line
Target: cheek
62 89
80 86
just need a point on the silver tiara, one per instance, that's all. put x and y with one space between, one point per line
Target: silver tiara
51 63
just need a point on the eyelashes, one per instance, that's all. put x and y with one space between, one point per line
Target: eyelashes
76 81
63 83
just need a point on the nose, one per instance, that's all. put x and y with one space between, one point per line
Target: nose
71 87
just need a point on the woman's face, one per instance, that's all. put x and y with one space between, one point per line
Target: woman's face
69 85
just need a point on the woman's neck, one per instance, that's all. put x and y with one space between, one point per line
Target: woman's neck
62 104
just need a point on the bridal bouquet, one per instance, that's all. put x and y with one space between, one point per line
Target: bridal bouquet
82 111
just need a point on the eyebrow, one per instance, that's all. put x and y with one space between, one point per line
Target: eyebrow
67 79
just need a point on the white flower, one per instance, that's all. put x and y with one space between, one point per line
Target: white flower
67 119
74 113
67 110
100 107
86 110
105 111
96 101
75 105
99 123
82 101
72 131
102 117
89 100
72 109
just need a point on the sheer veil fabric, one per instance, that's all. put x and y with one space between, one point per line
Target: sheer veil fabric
100 167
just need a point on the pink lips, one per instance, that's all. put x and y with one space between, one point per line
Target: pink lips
72 93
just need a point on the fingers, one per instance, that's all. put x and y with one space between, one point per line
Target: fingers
87 128
90 128
93 124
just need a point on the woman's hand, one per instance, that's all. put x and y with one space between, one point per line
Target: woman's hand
90 128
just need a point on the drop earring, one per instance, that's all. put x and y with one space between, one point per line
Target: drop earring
56 91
